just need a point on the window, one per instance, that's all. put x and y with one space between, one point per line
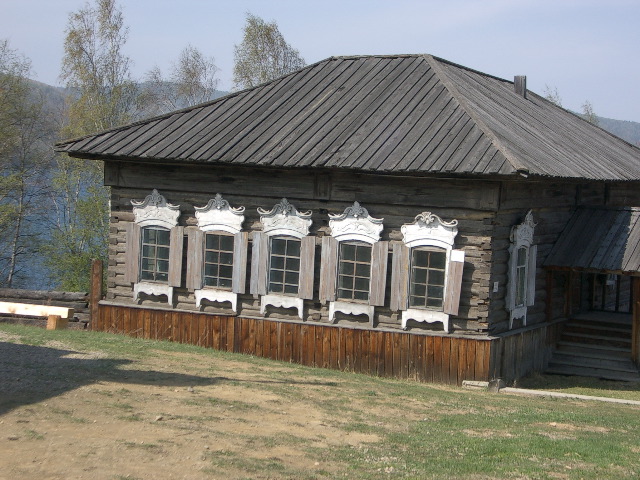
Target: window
153 258
354 271
426 275
218 260
428 268
216 268
155 254
521 288
284 265
283 256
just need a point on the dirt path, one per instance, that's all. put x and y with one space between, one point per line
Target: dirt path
68 415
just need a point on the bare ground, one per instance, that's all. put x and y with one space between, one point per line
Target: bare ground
66 414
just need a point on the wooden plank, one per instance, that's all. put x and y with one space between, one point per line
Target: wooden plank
195 258
259 259
35 310
397 354
404 355
420 360
96 290
307 259
236 334
411 366
454 282
334 357
175 256
454 344
240 252
318 346
438 376
429 356
379 257
132 253
328 269
273 341
399 277
296 347
326 347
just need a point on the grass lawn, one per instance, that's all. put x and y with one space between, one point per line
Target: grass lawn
268 419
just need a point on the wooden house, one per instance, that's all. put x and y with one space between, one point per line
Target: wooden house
395 215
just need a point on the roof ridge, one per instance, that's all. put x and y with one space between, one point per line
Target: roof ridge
449 85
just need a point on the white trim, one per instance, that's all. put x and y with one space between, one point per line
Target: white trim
218 215
282 301
521 237
429 229
355 223
351 308
215 295
284 219
424 315
152 289
155 211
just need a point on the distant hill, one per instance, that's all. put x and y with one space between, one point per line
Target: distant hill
626 130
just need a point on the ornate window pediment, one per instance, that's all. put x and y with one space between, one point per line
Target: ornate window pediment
429 229
218 215
284 219
355 223
154 210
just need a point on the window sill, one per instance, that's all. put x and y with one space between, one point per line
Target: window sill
428 316
215 295
351 308
153 289
282 301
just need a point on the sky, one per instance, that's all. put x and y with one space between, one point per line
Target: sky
587 50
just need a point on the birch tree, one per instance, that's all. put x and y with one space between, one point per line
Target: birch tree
191 81
25 159
263 54
102 95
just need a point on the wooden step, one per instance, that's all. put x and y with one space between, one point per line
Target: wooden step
592 372
617 364
596 339
595 353
597 329
595 348
613 319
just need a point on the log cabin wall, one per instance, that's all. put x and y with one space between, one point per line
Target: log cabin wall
396 199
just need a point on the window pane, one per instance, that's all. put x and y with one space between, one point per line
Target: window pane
345 282
363 270
211 257
275 287
212 241
434 292
226 258
293 248
361 296
522 257
362 284
278 246
363 253
293 264
291 289
163 237
347 268
225 283
277 262
418 290
420 275
437 260
420 258
226 243
347 252
436 277
226 271
291 278
163 253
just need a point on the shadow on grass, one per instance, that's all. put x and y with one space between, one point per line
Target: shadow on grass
30 374
583 385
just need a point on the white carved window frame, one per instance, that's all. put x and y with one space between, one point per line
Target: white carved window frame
283 220
155 211
521 237
219 217
355 224
427 230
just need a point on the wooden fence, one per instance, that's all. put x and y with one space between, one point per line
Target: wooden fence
440 359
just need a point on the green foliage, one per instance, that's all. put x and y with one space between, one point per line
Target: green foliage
96 71
263 54
26 133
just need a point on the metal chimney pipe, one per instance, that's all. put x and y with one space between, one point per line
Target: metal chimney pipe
520 85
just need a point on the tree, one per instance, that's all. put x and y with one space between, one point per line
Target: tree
96 72
26 134
588 114
552 95
192 81
263 54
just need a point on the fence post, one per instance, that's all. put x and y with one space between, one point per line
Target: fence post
96 292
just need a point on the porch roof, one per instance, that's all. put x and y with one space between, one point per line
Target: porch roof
599 239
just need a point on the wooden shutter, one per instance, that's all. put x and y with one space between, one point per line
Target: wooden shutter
399 277
132 253
240 244
510 299
259 260
454 282
195 258
328 269
378 279
531 275
307 259
175 256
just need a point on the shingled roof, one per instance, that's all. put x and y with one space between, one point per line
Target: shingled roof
394 114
